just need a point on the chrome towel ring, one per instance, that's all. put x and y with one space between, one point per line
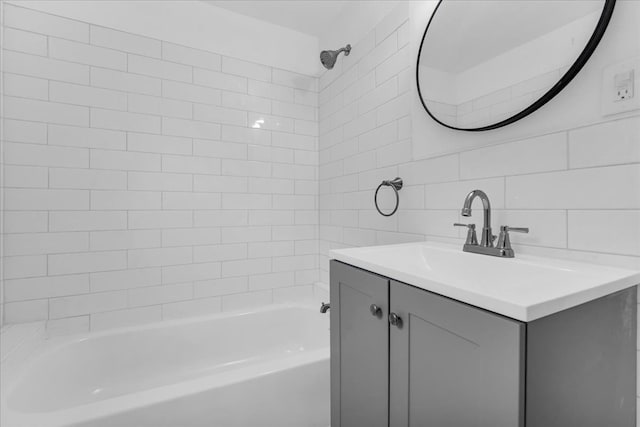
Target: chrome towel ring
396 184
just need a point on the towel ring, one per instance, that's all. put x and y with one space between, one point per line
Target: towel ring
396 184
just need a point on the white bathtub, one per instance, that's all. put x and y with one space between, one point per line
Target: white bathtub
266 367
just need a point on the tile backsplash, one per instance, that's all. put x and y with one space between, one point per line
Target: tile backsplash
146 180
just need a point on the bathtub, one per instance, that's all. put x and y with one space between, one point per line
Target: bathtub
265 367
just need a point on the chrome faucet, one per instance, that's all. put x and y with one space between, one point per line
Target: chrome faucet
487 237
324 307
503 247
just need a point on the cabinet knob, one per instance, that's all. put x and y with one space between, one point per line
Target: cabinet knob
395 320
375 310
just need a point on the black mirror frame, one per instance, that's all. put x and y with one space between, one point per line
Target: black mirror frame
586 53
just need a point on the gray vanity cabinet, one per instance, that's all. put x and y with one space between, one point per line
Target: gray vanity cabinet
418 359
384 375
360 351
447 355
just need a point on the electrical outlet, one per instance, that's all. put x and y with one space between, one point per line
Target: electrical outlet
624 85
618 87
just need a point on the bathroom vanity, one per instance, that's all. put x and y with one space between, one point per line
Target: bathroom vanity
424 334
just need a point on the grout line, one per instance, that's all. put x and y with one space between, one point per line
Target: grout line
152 78
567 147
136 35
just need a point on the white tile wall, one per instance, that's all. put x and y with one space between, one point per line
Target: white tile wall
576 189
145 180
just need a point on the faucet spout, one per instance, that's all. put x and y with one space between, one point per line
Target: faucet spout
503 248
487 235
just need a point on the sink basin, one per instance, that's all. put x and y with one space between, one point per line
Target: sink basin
524 288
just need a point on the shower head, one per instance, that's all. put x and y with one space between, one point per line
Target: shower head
328 57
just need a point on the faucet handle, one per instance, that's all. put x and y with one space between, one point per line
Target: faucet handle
472 239
516 229
503 241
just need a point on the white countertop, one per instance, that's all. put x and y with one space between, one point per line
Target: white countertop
523 288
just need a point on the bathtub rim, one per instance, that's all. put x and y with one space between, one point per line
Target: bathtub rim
40 344
18 363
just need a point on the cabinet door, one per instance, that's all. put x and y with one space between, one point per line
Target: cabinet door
453 365
359 348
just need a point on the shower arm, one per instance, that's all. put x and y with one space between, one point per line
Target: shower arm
346 50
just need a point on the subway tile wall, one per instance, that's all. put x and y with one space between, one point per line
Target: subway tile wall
577 189
145 180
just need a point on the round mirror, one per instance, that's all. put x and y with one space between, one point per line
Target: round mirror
484 64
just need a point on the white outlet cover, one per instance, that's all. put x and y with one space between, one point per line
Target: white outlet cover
625 85
610 103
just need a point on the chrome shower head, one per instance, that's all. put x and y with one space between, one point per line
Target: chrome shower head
328 57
